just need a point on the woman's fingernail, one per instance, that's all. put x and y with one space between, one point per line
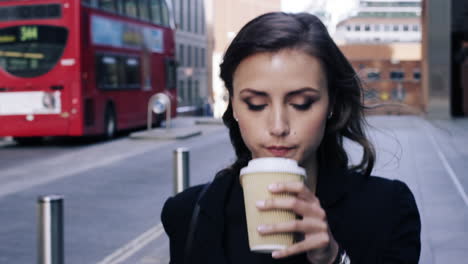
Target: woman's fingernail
276 254
262 228
260 203
273 187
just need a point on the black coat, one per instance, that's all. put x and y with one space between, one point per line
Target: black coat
375 220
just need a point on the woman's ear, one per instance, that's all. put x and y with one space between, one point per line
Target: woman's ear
233 110
235 115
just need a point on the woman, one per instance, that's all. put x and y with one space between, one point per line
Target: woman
293 94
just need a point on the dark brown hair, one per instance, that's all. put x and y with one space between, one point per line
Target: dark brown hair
276 31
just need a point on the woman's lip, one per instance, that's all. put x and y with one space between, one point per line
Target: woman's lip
279 151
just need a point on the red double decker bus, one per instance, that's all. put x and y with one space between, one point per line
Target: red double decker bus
74 68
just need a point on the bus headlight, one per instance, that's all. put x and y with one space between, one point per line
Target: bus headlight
48 101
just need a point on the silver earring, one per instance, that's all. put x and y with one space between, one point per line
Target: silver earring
330 115
235 118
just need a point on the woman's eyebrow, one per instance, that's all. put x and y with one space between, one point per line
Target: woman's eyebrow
250 90
302 90
289 94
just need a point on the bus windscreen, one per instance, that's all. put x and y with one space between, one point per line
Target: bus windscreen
31 50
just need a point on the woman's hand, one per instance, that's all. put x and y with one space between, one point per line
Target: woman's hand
318 242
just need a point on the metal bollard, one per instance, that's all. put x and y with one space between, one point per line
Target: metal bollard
50 230
181 170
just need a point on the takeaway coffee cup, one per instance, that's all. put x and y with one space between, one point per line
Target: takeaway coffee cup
255 179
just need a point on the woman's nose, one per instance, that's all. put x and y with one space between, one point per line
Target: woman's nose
279 123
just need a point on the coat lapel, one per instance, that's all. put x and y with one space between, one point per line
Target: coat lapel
332 185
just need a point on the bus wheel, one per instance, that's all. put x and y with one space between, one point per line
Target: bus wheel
28 140
110 124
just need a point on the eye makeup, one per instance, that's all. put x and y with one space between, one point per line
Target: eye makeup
304 103
254 104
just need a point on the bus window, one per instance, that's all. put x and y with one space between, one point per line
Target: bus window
107 72
108 5
131 68
144 9
27 12
155 6
165 14
31 50
131 8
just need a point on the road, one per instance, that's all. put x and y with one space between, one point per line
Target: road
114 190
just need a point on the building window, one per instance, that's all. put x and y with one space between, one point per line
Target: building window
405 28
202 7
397 75
357 28
181 14
373 75
203 57
377 27
197 93
371 94
195 12
196 57
395 27
387 27
415 28
417 75
189 15
189 92
189 56
367 27
348 28
181 91
181 55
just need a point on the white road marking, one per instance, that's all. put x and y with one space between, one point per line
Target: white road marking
448 168
132 247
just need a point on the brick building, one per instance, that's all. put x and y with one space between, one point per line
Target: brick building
391 75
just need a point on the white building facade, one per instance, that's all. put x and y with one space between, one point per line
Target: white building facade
192 56
382 21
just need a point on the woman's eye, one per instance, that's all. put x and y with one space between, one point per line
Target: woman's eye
255 107
304 106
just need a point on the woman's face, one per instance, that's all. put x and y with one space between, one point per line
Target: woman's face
281 102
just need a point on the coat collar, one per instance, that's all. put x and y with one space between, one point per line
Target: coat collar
332 186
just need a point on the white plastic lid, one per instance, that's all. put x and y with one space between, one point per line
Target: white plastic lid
273 164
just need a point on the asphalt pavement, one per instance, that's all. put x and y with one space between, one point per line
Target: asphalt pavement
114 190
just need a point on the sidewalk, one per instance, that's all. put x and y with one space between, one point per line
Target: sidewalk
430 156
